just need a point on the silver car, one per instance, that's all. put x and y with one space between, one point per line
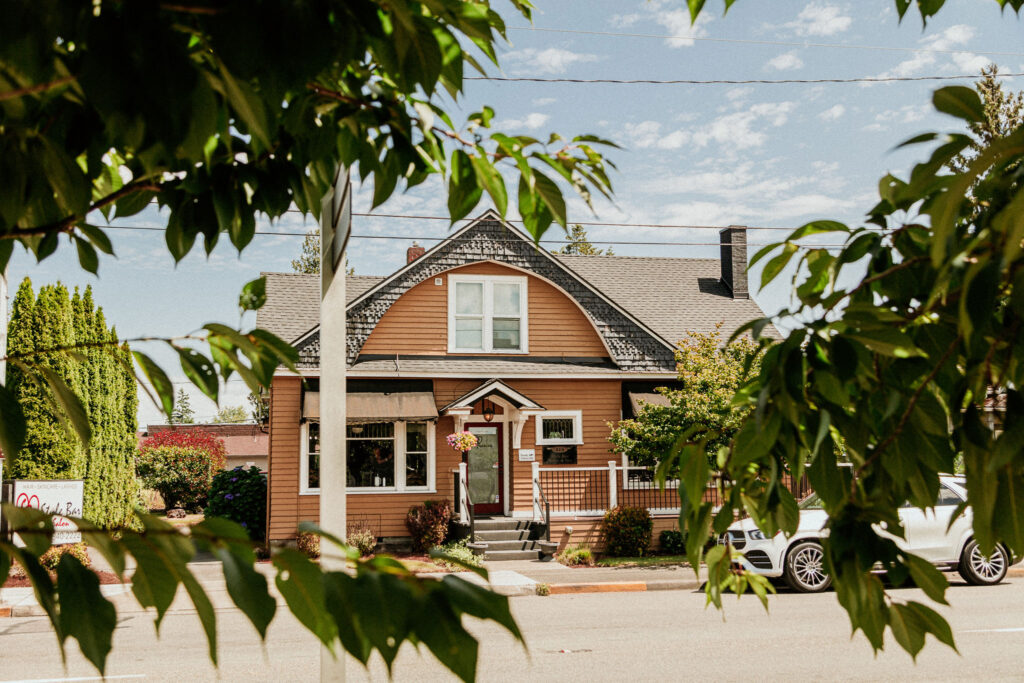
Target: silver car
799 558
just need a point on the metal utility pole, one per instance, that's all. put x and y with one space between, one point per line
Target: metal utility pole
335 225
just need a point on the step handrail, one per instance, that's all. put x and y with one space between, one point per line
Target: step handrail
547 509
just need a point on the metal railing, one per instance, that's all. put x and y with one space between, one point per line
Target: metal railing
539 488
576 489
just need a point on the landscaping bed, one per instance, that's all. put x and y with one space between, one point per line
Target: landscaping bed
106 578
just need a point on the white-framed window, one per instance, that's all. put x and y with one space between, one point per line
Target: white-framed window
309 458
381 457
487 313
560 428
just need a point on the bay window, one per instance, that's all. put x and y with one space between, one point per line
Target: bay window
487 313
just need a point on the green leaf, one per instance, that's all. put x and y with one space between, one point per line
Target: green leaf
247 587
159 380
301 585
34 527
439 554
204 608
199 370
154 583
442 632
254 295
491 180
463 190
959 101
12 423
887 341
338 598
776 265
479 602
85 614
42 587
906 628
97 238
927 577
549 193
70 403
933 623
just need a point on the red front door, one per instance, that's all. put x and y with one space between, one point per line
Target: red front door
486 469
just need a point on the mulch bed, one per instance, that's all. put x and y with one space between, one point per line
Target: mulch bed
106 578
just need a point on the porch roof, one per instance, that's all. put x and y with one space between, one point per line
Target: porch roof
494 387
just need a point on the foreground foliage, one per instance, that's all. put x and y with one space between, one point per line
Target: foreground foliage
341 609
900 368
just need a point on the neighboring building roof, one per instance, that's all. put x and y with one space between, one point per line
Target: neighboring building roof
240 440
672 296
293 301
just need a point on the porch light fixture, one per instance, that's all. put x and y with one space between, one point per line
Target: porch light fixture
488 409
357 429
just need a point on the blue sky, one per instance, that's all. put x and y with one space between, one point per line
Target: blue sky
758 155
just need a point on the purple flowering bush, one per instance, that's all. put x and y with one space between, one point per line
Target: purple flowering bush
241 496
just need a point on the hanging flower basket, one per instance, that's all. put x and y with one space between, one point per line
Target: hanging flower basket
462 441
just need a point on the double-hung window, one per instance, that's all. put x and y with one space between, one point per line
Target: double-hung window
381 457
487 313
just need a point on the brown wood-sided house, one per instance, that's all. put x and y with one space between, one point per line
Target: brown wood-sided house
534 353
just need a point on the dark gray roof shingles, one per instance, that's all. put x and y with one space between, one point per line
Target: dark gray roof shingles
293 302
671 296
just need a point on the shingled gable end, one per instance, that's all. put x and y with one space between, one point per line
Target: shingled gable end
633 345
594 337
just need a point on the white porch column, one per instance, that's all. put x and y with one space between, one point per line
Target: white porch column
464 493
613 487
535 479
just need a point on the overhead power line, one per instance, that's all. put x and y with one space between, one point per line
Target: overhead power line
751 81
432 238
773 43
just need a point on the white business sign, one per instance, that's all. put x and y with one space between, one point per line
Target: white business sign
527 455
61 498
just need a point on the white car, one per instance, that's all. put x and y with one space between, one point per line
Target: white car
798 558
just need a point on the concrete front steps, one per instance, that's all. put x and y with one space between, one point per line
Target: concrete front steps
504 538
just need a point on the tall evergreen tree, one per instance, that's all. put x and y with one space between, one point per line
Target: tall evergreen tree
182 413
579 243
100 376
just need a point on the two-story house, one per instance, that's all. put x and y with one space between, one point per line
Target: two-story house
534 353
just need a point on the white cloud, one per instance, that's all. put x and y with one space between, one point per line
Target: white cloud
949 39
544 101
531 121
785 61
806 204
552 60
734 94
833 113
648 135
820 19
669 15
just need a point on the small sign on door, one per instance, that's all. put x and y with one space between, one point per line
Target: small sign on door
527 455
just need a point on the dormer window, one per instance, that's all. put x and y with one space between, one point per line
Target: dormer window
486 314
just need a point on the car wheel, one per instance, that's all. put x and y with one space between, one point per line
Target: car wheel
979 570
805 568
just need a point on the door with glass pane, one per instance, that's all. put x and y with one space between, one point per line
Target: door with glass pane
484 462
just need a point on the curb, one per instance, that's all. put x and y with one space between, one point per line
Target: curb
623 587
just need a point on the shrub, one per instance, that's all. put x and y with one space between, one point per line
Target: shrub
241 496
460 551
672 542
362 539
181 475
543 589
428 524
309 544
627 531
576 556
189 438
51 558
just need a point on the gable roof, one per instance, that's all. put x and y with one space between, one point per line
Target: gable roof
632 345
689 295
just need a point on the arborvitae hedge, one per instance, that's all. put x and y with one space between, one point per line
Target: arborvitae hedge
100 375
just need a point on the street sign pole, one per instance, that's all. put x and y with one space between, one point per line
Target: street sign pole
335 226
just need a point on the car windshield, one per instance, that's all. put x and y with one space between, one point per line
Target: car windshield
811 502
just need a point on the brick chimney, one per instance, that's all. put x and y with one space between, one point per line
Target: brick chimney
734 260
414 252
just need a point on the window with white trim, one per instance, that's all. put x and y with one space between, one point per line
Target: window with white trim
309 458
560 428
381 457
487 313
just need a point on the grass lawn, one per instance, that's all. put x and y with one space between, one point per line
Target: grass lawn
650 561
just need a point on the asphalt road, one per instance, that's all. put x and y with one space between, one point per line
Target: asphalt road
598 637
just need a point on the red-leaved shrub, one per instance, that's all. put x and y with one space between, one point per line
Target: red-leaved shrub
180 465
428 524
